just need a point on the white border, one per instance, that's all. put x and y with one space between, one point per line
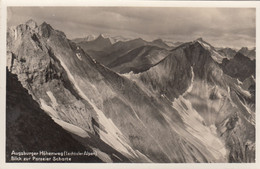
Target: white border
6 3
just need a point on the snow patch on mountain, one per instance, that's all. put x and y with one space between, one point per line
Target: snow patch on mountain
54 115
53 99
253 77
192 80
239 82
79 56
244 92
48 109
206 46
71 128
117 157
103 156
195 125
15 34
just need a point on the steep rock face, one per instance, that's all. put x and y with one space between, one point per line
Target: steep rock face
40 72
215 55
239 67
172 76
231 110
30 129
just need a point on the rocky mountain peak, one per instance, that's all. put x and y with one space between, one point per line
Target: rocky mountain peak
216 56
101 36
45 29
240 56
17 32
200 39
139 39
158 41
32 24
244 48
90 37
203 42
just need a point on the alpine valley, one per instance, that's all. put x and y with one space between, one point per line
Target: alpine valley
128 100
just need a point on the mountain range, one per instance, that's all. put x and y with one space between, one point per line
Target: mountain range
128 101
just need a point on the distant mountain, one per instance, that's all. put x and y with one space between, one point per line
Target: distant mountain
173 44
99 47
118 49
115 39
160 43
248 53
138 59
120 46
88 38
227 52
109 57
128 45
180 105
99 44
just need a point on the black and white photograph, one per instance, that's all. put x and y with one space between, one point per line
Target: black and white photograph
130 84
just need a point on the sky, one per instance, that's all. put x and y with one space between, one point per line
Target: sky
221 27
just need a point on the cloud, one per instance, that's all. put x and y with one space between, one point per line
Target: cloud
223 26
